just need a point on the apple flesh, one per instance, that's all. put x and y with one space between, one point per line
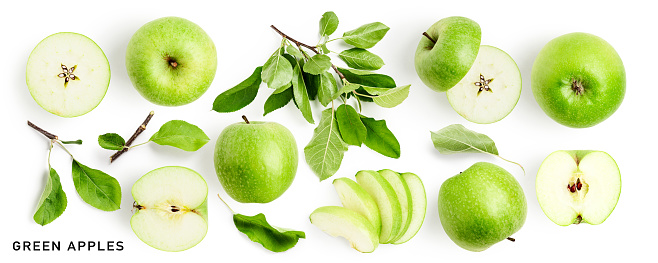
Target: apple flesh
171 61
68 74
481 206
490 89
418 206
353 197
404 198
578 187
387 202
171 209
343 222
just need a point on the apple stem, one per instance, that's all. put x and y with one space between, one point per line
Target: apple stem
229 208
173 64
429 37
130 141
511 239
245 119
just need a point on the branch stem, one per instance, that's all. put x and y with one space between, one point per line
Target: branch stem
42 131
130 141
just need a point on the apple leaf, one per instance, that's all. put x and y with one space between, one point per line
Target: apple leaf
349 87
95 187
277 101
367 78
393 97
72 142
239 96
350 126
324 152
456 138
111 141
180 134
272 238
277 71
326 88
359 58
380 139
300 94
328 23
312 83
317 64
292 50
52 202
366 36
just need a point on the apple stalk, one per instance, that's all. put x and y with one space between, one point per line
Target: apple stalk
130 141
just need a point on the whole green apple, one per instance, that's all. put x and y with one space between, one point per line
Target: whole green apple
171 61
578 79
256 161
447 51
481 206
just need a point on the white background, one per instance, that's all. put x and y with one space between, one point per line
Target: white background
240 30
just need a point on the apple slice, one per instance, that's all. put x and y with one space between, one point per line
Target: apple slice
67 74
353 197
418 208
343 222
404 198
578 186
387 202
171 208
490 89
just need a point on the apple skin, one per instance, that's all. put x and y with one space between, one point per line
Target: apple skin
585 59
481 206
151 54
256 162
442 65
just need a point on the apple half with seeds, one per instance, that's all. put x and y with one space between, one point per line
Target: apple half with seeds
172 213
578 187
490 89
343 222
67 74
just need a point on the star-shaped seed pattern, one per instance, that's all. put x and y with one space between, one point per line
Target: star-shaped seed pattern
67 74
483 84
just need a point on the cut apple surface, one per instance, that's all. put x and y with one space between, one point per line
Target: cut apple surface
578 186
490 89
418 206
355 198
171 208
67 74
343 222
387 202
404 198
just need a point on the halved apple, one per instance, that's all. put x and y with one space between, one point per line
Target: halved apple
343 222
578 186
353 197
387 202
418 208
171 208
404 198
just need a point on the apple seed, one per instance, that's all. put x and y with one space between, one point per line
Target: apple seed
67 74
483 84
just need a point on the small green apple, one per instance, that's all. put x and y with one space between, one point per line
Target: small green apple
404 197
447 51
387 202
578 79
171 61
256 161
171 208
355 198
67 74
578 186
343 222
481 206
418 206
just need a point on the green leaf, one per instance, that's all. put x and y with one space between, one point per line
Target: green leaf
393 97
350 126
359 58
52 202
328 23
346 89
324 152
277 101
272 238
366 36
111 141
312 84
327 88
277 71
380 138
292 50
324 49
317 64
96 187
457 139
367 78
300 94
180 134
239 96
72 142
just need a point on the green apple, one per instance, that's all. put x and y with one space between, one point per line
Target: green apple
404 198
256 161
578 79
171 208
418 206
490 89
578 186
355 198
67 74
447 51
481 206
343 222
387 202
171 61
